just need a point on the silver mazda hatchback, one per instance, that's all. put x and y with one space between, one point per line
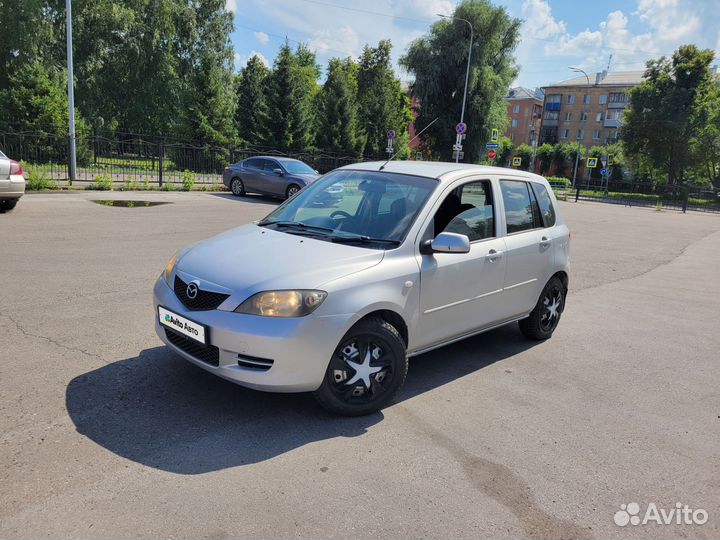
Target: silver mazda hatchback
371 264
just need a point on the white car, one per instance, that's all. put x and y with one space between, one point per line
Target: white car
12 183
333 294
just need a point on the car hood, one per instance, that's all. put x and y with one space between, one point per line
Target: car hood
251 259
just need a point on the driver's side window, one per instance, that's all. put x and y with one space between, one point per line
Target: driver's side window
467 210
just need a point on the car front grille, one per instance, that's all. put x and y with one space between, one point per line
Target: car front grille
205 353
204 300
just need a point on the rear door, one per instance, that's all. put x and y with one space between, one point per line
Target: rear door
528 247
251 171
275 184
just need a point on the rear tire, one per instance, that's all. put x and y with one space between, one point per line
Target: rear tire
7 205
291 190
544 318
237 187
378 351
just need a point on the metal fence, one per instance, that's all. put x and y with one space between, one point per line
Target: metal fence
660 196
142 160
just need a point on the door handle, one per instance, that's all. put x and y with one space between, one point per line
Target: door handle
494 255
545 241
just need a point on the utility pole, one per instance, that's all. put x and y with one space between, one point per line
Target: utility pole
467 71
72 165
577 155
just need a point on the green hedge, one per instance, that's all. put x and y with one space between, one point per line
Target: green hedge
558 182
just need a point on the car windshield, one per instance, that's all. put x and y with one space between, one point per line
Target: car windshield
297 167
372 208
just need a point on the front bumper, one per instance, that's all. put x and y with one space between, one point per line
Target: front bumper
14 189
300 348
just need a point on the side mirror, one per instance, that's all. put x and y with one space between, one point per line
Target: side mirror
279 172
316 171
446 243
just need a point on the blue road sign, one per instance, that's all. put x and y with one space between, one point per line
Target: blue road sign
492 146
461 128
603 172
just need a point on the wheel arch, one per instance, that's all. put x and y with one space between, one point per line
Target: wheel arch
390 317
564 278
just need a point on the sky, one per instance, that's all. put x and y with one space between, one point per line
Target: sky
555 34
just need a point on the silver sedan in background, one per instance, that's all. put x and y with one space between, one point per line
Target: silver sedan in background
12 183
269 175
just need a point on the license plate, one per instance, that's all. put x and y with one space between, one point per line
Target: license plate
181 325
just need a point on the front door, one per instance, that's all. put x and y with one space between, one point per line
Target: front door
460 292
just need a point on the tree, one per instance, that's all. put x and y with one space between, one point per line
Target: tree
252 113
337 109
505 152
438 62
524 152
383 105
661 118
289 97
545 154
706 143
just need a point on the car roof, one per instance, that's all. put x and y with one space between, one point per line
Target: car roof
441 170
278 158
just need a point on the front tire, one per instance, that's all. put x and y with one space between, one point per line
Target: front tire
237 187
366 370
291 190
544 318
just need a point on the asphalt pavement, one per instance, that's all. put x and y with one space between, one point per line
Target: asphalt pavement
105 433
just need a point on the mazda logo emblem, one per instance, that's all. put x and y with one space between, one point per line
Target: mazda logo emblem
192 290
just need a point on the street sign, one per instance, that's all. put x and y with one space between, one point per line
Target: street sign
591 162
492 146
457 147
495 136
391 134
492 154
603 172
458 155
604 162
517 161
389 149
611 159
461 128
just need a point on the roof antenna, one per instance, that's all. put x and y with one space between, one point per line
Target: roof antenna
411 140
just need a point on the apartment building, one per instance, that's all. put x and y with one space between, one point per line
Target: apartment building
587 110
524 109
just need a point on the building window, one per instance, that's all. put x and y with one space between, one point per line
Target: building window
583 116
512 135
570 99
565 134
618 97
587 99
598 117
596 134
581 134
552 115
553 98
516 109
603 99
514 123
568 116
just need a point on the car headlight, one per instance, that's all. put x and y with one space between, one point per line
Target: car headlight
169 267
282 303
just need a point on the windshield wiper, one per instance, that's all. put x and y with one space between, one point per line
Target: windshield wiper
361 239
295 225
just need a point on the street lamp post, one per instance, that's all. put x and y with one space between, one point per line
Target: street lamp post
577 154
467 71
71 94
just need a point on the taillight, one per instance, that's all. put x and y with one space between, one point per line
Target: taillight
15 167
569 235
226 169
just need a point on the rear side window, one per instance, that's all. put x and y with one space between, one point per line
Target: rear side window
253 163
547 211
520 207
271 165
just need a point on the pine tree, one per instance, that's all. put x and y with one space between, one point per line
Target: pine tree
252 114
338 125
